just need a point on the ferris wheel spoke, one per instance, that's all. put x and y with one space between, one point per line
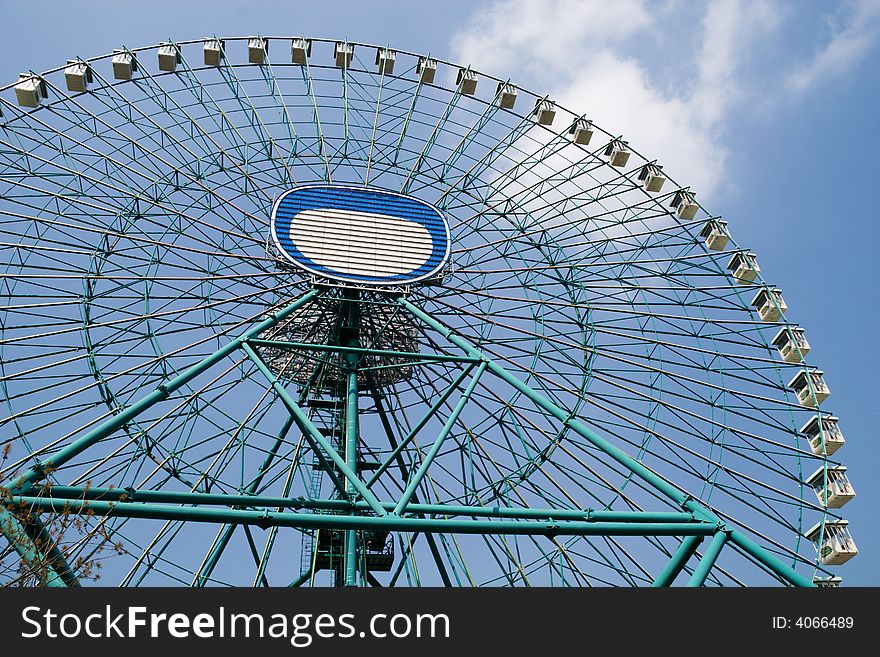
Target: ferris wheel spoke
223 125
151 155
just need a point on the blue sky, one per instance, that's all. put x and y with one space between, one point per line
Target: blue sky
767 109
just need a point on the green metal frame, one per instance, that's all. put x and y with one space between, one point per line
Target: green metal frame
403 515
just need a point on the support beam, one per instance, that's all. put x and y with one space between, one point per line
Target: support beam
267 518
362 351
317 441
302 579
684 552
438 443
30 553
389 432
351 459
162 392
701 572
172 497
223 540
398 449
681 498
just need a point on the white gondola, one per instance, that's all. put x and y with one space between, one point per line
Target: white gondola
124 64
213 52
744 267
544 112
581 132
810 387
824 434
792 344
827 582
169 57
30 90
770 304
258 48
300 50
684 204
716 235
652 177
467 81
77 75
832 486
506 94
617 152
426 69
385 60
343 53
835 543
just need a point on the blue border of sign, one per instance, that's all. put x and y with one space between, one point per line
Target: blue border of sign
359 199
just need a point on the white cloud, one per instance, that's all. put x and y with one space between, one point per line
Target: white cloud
545 37
583 54
852 38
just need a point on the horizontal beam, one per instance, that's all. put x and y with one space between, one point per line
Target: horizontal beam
333 348
172 497
266 518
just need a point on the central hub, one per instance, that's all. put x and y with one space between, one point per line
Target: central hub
360 235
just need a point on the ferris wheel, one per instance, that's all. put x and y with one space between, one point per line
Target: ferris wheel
304 312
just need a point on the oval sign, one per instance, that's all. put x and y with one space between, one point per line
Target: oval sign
360 235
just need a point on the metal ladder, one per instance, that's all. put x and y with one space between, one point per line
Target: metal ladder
327 415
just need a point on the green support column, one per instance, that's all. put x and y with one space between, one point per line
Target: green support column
349 338
351 440
684 552
26 548
701 572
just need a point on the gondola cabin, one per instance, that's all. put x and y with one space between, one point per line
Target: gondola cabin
744 267
792 344
169 57
544 112
258 47
824 434
831 486
715 234
828 582
652 177
385 59
684 205
30 90
769 304
581 132
617 153
506 93
810 387
426 70
300 50
834 542
213 52
466 81
343 53
78 76
124 64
